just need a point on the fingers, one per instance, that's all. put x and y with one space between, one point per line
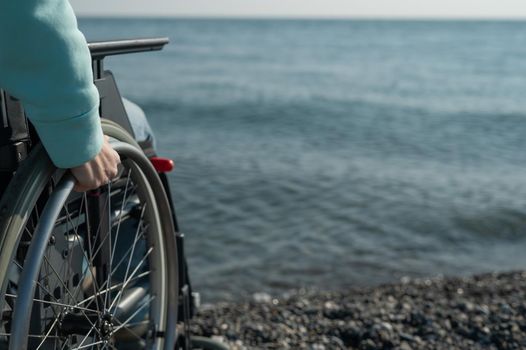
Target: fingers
90 179
98 171
111 164
88 184
79 188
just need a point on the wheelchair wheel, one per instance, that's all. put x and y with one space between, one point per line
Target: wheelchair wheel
94 270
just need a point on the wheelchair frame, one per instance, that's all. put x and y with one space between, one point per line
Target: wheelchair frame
18 137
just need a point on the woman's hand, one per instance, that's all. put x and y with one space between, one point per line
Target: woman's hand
98 171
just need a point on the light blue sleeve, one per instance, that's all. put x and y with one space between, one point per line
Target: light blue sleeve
45 63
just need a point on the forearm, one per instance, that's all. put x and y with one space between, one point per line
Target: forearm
45 62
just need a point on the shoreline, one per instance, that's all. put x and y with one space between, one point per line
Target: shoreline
486 311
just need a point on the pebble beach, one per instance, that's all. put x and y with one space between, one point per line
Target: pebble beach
481 312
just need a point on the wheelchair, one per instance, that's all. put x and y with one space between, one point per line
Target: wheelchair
104 269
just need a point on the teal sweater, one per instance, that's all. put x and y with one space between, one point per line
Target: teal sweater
45 63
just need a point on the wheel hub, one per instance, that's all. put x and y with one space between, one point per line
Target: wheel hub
106 326
82 324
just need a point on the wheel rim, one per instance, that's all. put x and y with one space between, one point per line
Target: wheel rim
78 307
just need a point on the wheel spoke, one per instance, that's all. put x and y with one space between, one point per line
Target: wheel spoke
48 333
68 291
136 239
124 324
97 234
129 252
90 261
47 302
118 229
69 220
127 281
87 336
130 331
76 235
34 336
108 234
112 288
88 345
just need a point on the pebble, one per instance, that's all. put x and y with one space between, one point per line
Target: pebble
482 312
262 297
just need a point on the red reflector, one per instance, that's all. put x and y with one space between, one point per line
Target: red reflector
162 165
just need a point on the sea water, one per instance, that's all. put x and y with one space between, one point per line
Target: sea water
329 154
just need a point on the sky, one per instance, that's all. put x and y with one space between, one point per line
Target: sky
305 8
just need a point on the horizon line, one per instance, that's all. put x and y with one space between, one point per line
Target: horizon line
292 17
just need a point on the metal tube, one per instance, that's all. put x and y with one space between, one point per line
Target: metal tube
102 49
